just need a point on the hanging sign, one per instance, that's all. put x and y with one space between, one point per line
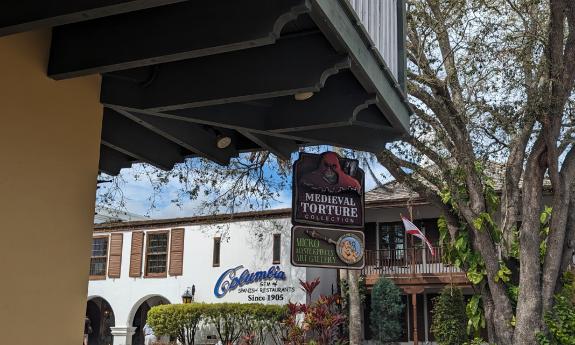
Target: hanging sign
328 190
327 247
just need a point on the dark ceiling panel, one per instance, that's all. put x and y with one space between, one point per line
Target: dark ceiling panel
169 33
130 138
23 15
193 137
353 137
334 105
371 117
180 75
112 161
291 65
280 147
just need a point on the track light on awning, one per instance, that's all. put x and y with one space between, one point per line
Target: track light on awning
223 141
302 96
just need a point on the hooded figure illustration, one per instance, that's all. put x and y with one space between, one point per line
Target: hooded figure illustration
330 177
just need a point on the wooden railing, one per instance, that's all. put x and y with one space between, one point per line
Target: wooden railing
403 262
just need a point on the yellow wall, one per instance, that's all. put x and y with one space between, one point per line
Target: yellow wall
49 146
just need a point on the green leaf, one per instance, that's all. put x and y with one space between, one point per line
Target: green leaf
475 277
478 223
544 217
504 273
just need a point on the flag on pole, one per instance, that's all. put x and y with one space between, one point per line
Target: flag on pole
411 229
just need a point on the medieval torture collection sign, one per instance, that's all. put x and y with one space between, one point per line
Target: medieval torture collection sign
328 212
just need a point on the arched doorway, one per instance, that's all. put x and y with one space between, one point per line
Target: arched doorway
101 316
141 315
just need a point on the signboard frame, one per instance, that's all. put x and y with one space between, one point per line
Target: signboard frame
348 169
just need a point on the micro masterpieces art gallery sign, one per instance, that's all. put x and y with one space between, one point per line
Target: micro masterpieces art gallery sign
324 247
328 209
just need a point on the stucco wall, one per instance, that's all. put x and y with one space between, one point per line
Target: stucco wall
49 146
241 245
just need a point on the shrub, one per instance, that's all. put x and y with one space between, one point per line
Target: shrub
449 318
561 319
321 319
253 323
475 341
177 320
386 309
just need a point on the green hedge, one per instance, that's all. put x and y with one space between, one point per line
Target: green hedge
253 322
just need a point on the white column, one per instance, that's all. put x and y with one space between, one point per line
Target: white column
123 334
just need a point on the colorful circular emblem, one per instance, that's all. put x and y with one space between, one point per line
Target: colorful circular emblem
349 249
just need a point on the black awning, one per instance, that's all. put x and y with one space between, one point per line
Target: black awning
216 78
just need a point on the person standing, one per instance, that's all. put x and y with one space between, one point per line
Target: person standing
149 336
87 329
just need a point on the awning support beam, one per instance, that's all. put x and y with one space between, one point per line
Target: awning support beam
128 137
24 15
185 30
188 135
292 65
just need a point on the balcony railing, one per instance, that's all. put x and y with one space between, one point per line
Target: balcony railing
406 262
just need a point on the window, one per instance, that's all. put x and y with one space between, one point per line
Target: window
99 257
392 240
157 254
277 248
217 244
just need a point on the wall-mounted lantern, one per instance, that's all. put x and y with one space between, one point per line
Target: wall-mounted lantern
188 296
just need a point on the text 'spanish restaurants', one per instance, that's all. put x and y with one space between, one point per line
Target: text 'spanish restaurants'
95 86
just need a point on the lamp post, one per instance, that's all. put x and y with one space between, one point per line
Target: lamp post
188 296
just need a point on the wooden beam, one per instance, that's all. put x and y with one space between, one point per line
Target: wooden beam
341 102
414 318
353 137
24 15
128 137
170 33
337 24
112 161
191 136
336 105
364 137
282 148
292 65
237 116
371 117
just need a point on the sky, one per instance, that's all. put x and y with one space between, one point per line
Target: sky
138 191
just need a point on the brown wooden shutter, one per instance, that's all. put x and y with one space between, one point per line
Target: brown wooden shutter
136 254
177 252
115 260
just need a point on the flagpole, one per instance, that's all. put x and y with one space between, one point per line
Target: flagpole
410 210
414 295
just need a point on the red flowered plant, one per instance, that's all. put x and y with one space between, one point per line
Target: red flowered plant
314 323
308 287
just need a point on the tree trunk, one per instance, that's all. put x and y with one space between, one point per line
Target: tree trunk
354 308
529 316
488 308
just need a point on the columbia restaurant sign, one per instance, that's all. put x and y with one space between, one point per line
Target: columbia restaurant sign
328 195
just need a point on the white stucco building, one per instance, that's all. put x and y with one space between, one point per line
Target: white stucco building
139 264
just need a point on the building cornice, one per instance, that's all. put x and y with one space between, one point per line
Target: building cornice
237 217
